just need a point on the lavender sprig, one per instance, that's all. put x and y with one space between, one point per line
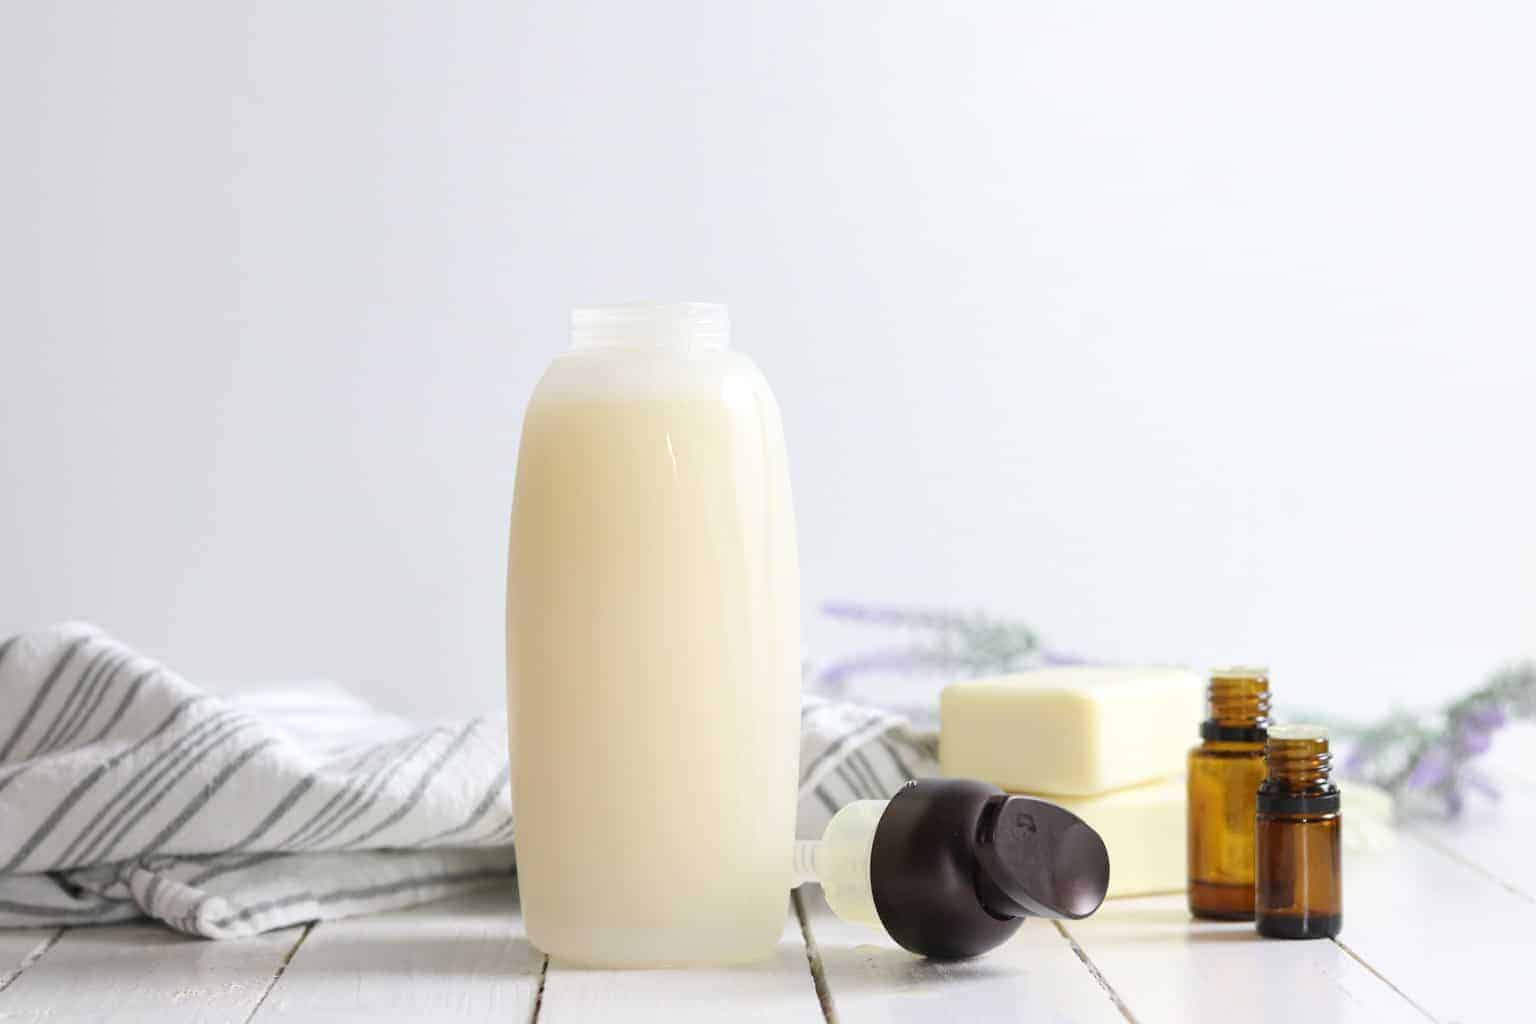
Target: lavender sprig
1429 760
885 615
962 643
1424 761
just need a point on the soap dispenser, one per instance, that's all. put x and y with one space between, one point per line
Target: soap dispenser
950 868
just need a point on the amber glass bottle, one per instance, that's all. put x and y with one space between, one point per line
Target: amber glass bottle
1299 890
1224 775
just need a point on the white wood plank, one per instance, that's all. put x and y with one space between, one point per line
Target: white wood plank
1165 966
20 948
146 972
1035 976
779 989
1454 941
462 959
1498 837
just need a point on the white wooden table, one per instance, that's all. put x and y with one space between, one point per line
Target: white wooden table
1440 927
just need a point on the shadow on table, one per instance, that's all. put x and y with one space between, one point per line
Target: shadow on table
1126 922
475 933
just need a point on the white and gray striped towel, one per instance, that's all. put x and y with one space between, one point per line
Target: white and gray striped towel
126 791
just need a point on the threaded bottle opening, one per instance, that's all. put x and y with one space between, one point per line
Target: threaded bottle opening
1297 758
1238 698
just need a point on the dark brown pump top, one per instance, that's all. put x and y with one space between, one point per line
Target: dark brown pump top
958 864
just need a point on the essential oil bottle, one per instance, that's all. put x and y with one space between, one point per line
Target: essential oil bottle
1299 891
1224 775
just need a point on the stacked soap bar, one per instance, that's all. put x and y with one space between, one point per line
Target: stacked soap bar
1108 744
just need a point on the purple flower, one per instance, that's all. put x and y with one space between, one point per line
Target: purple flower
1475 741
1359 758
1476 728
912 618
1488 717
1431 769
1434 757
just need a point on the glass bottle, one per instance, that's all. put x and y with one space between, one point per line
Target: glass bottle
1224 775
1299 886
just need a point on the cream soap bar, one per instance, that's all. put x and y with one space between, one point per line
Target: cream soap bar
1143 827
1074 731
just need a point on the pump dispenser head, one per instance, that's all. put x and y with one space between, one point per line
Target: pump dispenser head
955 865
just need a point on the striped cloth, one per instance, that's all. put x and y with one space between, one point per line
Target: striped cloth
126 791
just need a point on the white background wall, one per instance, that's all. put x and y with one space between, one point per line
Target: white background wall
1186 331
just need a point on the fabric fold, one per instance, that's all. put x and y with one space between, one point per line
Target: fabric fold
127 791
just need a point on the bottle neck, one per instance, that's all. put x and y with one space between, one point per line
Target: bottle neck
1237 702
649 326
1298 776
1298 765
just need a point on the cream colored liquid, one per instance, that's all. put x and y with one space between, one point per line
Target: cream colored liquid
653 658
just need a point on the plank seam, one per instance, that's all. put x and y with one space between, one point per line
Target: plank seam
1383 979
813 960
1098 975
282 966
538 995
38 951
1452 854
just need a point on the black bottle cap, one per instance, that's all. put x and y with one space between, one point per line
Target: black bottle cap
1274 800
1210 729
958 864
